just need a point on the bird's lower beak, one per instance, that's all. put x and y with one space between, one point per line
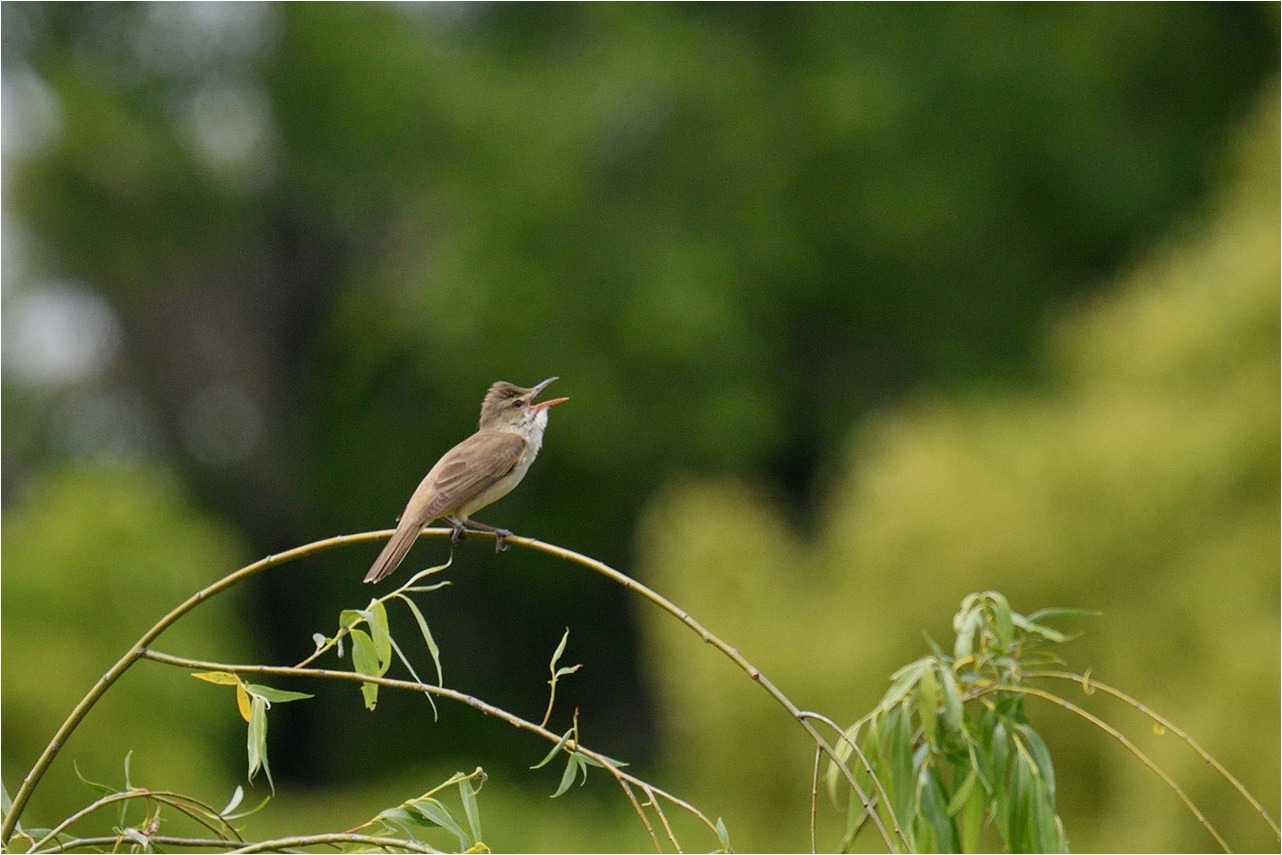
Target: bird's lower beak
541 404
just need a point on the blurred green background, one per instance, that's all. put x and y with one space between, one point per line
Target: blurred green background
859 307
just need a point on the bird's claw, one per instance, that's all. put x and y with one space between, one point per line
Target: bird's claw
457 534
500 545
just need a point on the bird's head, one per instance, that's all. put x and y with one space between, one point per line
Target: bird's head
511 407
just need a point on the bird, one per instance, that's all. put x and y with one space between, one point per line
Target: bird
478 471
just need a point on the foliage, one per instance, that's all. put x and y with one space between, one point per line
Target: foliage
1138 477
952 744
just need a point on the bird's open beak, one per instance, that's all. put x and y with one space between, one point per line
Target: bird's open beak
541 404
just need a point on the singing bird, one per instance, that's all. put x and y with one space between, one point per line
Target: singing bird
480 470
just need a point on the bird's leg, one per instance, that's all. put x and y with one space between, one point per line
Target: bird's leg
457 534
499 534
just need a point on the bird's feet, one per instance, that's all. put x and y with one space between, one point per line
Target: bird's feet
458 532
500 545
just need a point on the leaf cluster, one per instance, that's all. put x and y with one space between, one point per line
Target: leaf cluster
950 751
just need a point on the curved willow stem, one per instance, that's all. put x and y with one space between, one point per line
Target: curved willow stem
611 766
1090 685
1120 737
139 649
132 655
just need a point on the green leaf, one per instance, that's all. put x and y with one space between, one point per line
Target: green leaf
573 765
902 682
257 741
953 713
1055 613
999 608
427 638
898 751
1052 635
439 814
932 813
275 696
555 748
962 795
1041 755
101 789
723 835
237 797
928 704
365 661
381 634
965 624
972 822
467 793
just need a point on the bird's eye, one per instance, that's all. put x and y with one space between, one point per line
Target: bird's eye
518 403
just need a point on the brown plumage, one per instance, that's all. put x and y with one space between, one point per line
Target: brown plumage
480 470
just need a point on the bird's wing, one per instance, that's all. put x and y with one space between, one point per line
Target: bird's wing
470 468
454 480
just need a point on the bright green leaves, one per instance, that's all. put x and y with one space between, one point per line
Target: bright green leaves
371 638
427 813
577 762
557 674
949 745
253 701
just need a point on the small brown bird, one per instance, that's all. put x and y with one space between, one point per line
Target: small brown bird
481 469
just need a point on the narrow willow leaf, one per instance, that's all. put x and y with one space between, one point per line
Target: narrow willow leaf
427 638
257 737
965 624
555 749
971 821
928 704
902 682
101 789
439 814
1003 619
723 835
219 678
1052 635
424 573
560 648
381 634
897 748
237 796
468 788
933 813
243 702
567 777
953 714
960 798
1055 613
276 696
365 662
1042 765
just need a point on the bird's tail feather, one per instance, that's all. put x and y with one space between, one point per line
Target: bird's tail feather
394 552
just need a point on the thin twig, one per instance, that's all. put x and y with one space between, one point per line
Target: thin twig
708 638
868 806
1120 737
451 694
1089 685
395 844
